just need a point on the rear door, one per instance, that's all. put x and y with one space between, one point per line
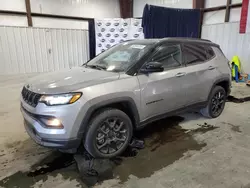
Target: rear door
201 71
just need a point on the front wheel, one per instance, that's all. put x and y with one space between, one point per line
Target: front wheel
216 103
108 134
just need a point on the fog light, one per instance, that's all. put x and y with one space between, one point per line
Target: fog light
52 123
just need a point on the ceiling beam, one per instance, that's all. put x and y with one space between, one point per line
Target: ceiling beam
13 12
227 15
223 7
198 4
126 8
28 11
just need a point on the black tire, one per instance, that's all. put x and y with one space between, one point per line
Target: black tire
214 103
110 127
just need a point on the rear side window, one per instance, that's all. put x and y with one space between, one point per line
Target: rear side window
196 53
209 52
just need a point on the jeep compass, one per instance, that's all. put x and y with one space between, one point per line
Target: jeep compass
101 103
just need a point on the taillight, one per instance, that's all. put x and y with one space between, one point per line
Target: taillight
229 64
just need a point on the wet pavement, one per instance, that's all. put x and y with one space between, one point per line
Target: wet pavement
219 158
237 100
165 142
54 163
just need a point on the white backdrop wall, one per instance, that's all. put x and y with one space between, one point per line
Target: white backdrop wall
110 32
25 50
230 40
139 5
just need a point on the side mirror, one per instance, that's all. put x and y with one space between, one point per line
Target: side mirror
152 67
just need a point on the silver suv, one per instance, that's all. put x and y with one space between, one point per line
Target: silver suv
100 104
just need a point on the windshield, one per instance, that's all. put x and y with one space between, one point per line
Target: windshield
119 58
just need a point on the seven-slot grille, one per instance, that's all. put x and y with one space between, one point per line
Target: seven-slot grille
30 97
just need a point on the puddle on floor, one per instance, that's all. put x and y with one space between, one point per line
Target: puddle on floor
165 142
3 113
235 128
237 100
51 165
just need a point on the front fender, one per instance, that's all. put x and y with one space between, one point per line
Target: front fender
98 103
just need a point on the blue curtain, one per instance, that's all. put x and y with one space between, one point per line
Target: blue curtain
160 22
92 39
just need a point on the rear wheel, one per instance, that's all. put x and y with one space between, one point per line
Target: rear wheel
216 103
109 133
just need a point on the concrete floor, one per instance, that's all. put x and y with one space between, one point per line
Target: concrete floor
186 151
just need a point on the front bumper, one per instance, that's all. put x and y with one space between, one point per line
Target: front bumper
47 137
52 143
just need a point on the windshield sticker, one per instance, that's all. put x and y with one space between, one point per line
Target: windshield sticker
138 46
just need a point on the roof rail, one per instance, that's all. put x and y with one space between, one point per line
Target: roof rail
187 38
199 39
206 40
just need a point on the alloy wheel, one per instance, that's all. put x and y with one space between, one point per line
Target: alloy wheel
218 101
111 135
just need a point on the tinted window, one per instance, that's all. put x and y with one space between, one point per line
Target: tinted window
169 56
195 53
209 52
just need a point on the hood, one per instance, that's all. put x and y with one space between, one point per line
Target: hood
69 80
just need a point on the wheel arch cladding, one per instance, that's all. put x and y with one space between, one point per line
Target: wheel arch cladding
125 104
223 82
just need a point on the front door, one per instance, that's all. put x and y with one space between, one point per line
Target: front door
162 92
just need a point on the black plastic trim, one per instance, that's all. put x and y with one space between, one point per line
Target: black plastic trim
64 144
217 82
102 104
171 113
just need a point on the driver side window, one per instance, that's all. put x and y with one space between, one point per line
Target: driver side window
169 56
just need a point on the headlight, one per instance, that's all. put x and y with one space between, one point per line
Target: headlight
60 99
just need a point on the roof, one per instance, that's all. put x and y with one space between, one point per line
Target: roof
174 39
144 41
189 40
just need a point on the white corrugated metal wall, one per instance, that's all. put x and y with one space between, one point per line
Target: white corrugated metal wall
231 41
25 50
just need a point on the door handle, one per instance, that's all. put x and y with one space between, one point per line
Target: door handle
211 67
180 74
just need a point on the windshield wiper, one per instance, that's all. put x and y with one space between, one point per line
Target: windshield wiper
98 67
